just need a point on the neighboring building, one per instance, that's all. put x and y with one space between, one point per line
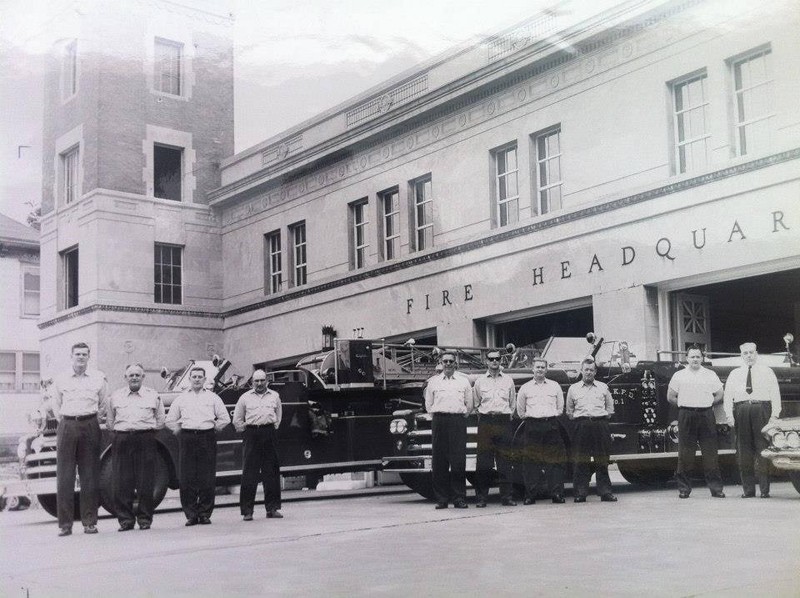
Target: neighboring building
19 341
635 173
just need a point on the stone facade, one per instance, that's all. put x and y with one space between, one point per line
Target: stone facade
662 213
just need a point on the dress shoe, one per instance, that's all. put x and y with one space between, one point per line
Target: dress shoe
441 505
748 494
125 527
608 498
683 494
719 494
274 514
765 495
481 504
529 501
204 521
509 502
89 529
247 517
65 531
558 500
144 525
460 504
191 522
579 499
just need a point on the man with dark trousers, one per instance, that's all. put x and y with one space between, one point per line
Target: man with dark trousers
78 398
194 416
752 399
539 403
695 390
134 414
495 400
448 397
590 406
258 414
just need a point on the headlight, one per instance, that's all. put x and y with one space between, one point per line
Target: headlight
793 439
779 440
398 426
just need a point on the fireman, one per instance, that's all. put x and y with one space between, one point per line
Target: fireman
448 397
495 401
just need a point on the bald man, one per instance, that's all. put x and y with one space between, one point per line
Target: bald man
134 413
258 414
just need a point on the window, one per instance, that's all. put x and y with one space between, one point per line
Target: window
8 370
69 70
506 191
273 279
752 81
168 66
69 269
30 291
423 213
390 224
167 177
25 379
690 113
548 169
358 233
299 263
167 274
69 167
30 371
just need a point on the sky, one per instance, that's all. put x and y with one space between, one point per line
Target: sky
293 59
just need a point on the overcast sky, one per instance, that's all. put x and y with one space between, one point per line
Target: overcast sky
293 59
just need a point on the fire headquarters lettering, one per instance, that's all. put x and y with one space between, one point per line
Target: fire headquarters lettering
446 299
664 249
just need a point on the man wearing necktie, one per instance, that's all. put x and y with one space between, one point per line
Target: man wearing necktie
752 398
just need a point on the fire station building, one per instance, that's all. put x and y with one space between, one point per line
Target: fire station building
635 172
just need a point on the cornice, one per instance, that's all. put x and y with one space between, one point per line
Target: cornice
126 309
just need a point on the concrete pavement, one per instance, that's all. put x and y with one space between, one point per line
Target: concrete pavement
650 542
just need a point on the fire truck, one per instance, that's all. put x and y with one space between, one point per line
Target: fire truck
337 406
644 427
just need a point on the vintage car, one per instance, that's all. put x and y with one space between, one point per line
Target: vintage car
784 447
337 406
644 428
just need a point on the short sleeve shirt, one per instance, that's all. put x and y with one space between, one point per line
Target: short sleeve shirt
695 388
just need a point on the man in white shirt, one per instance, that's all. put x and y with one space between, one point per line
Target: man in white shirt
135 412
194 416
495 400
78 397
752 399
258 414
448 397
539 403
695 390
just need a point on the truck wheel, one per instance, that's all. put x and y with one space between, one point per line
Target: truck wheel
421 483
50 505
160 482
643 473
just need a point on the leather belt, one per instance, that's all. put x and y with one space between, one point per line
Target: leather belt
545 419
134 431
594 419
751 401
80 418
193 431
695 408
259 426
